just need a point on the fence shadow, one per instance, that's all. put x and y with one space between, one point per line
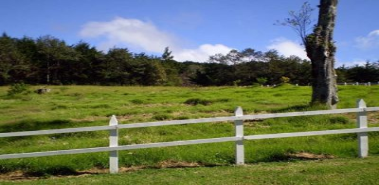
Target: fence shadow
34 125
299 108
292 108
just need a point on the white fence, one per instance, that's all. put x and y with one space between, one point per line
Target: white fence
359 83
239 137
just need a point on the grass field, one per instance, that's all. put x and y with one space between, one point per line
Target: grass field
78 106
336 171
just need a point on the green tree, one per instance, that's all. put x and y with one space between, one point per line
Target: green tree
117 67
54 54
167 54
87 69
13 67
28 48
148 71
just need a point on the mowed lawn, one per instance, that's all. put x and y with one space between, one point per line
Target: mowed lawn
79 106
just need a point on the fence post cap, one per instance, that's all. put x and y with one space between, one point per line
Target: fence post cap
113 120
361 103
238 111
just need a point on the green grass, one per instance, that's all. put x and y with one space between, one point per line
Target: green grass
79 106
336 171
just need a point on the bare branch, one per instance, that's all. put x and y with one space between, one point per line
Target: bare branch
300 21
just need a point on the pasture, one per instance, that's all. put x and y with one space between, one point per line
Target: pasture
79 106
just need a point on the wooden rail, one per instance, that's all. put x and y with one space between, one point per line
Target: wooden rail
239 137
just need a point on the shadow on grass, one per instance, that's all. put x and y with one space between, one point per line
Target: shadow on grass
31 125
55 170
34 125
65 171
298 108
295 156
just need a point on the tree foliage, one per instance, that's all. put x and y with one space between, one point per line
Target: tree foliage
167 54
49 60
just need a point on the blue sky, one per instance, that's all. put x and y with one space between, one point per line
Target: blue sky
193 29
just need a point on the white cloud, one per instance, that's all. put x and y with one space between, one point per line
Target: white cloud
201 54
368 42
146 36
143 35
287 48
374 33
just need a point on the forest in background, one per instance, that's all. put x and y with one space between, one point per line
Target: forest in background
49 60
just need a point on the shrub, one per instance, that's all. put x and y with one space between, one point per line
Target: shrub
137 101
261 80
161 117
17 88
284 80
196 101
339 119
236 82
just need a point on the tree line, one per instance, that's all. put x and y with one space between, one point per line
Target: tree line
49 60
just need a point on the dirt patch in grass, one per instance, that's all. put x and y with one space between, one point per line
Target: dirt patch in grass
25 176
129 117
89 118
310 156
255 123
177 164
373 117
16 175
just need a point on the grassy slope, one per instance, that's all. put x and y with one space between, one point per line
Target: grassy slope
336 171
77 106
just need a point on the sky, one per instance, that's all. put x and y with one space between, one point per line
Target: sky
192 29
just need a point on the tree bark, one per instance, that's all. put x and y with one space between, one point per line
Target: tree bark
321 50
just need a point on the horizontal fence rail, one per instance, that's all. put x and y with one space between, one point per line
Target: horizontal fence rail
359 83
311 133
187 142
188 121
239 137
118 148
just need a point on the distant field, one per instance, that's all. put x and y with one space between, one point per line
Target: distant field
78 106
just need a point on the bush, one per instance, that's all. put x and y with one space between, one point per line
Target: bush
236 82
17 88
196 101
137 101
284 80
261 80
161 117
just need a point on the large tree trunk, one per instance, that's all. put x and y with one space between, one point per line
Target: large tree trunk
321 50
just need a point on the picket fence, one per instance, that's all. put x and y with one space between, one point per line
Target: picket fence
113 148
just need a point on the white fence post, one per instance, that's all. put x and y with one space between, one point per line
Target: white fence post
363 136
113 141
240 150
